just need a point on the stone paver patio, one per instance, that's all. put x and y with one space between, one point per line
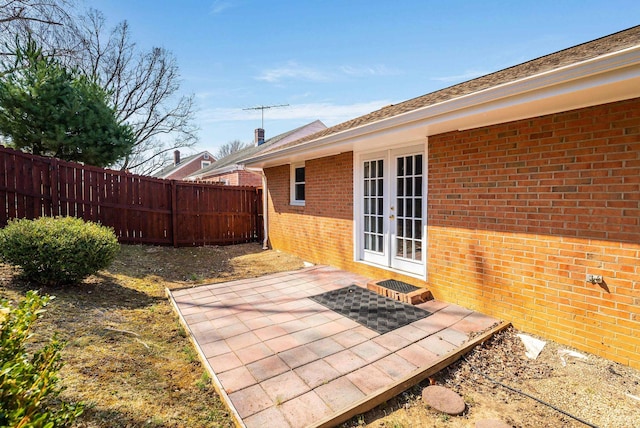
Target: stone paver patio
280 359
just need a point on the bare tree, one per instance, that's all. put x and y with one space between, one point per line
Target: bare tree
31 17
144 87
230 148
50 12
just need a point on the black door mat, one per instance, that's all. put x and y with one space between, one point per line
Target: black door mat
399 286
370 309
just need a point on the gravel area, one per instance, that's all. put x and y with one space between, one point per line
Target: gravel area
596 390
599 392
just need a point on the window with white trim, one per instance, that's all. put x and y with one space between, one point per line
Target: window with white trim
204 164
298 184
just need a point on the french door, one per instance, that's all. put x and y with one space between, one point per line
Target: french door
392 222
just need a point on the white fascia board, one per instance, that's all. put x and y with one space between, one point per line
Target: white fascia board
599 80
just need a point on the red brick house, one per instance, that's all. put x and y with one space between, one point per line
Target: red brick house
230 171
183 167
502 194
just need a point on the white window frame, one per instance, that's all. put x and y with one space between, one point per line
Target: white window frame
293 183
204 164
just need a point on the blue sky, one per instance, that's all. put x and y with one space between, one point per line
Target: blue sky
335 60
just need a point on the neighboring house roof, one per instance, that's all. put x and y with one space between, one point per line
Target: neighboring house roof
232 162
170 169
535 75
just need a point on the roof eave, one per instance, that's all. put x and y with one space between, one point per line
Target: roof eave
224 170
569 87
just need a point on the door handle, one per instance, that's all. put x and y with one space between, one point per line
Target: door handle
391 217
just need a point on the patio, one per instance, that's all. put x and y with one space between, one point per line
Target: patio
278 358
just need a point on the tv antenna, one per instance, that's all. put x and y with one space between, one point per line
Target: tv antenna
263 108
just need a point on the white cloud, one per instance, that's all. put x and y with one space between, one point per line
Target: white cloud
293 70
471 74
219 6
330 114
376 70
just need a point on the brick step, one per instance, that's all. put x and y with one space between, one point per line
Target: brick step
401 291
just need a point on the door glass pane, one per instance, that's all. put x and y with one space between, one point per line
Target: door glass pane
418 165
409 203
373 202
418 186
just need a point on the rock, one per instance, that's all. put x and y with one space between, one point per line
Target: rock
492 423
443 399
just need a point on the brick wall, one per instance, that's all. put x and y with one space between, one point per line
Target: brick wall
322 231
519 213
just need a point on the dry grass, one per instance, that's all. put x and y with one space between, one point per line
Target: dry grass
127 357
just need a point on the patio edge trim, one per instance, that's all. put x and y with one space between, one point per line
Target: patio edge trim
203 359
417 376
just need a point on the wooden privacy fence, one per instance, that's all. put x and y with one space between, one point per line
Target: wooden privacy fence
141 210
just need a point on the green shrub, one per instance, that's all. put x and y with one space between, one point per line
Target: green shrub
29 384
55 251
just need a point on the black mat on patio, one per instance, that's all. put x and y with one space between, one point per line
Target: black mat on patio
370 309
399 286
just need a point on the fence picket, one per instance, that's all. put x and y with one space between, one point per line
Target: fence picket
141 210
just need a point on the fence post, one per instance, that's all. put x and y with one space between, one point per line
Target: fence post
174 213
55 193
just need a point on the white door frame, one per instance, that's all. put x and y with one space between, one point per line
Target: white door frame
374 253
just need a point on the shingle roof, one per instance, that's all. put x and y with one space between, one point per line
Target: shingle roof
585 51
239 156
168 169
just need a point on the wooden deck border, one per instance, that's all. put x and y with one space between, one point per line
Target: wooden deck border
386 393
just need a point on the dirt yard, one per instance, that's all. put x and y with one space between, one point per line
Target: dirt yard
129 360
